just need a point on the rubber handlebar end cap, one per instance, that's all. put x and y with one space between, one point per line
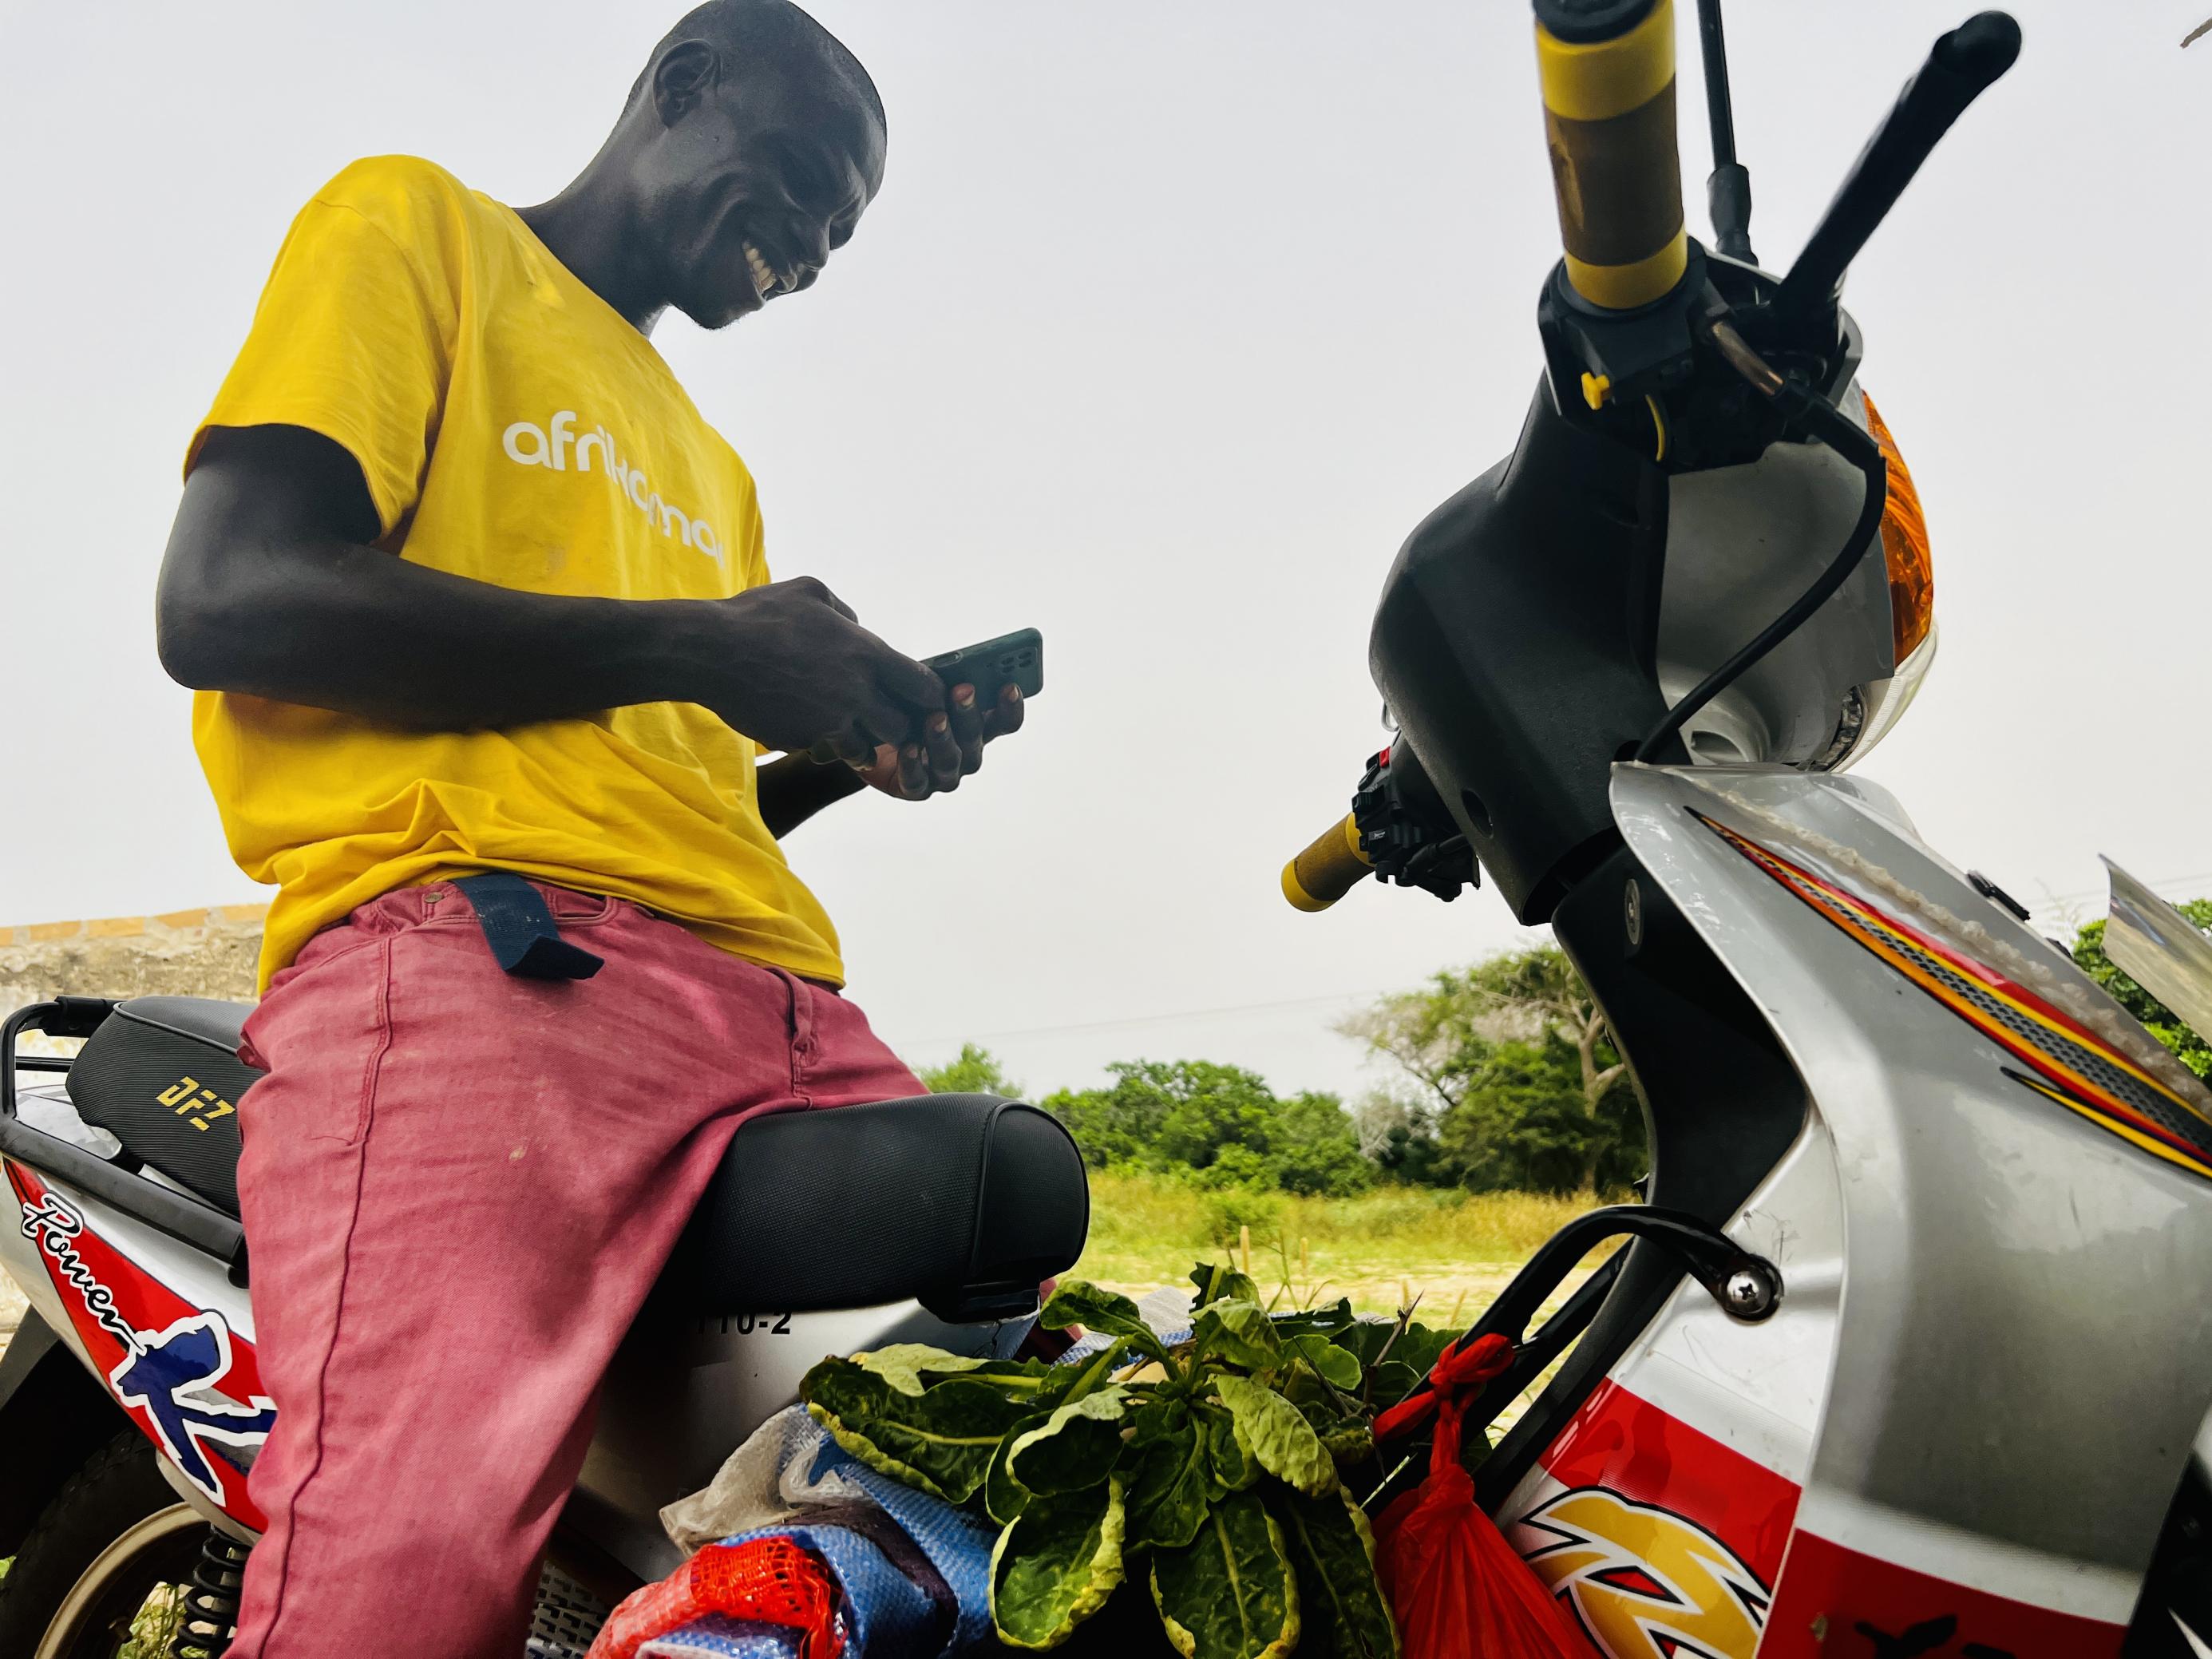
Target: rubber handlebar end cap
1982 48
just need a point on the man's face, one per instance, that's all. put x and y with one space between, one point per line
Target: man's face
753 183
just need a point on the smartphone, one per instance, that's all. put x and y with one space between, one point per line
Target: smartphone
1015 660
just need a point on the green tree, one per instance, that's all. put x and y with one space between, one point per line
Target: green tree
1120 1124
976 1072
1221 1123
1518 1078
2188 1046
1316 1149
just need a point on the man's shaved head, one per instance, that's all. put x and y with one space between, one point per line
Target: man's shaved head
767 33
749 148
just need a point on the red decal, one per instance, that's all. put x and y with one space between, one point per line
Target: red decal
1628 1446
185 1379
1835 1603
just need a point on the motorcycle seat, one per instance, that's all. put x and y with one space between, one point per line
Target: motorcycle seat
161 1074
962 1202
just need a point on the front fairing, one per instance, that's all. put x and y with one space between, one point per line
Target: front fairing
1996 1345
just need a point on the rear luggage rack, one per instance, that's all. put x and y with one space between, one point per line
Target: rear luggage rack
179 1214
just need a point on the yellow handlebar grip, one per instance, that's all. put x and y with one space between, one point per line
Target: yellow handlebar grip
1327 870
1608 81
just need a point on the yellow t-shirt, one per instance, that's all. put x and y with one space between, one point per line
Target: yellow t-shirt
513 428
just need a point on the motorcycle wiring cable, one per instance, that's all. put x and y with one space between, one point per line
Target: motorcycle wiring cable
1827 424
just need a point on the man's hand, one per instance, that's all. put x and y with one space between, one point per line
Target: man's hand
950 746
789 662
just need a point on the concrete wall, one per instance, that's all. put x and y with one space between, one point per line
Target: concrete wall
205 953
202 953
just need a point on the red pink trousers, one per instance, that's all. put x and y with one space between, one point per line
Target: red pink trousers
457 1187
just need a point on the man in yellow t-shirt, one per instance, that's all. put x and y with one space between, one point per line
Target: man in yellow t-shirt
470 592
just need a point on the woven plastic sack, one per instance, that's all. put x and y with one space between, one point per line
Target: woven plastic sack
1458 1590
767 1580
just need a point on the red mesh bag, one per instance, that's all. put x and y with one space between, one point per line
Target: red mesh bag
771 1581
1456 1586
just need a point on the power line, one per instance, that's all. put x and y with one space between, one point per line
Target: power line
2051 902
1158 1020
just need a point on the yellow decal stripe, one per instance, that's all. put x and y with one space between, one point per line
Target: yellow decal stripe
1901 953
1597 80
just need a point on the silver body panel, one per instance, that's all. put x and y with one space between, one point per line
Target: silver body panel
2154 944
680 1397
2023 1356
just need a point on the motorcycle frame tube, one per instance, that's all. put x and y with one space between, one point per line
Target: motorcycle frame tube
2021 1359
1723 1106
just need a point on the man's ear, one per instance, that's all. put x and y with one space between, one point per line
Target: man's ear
686 74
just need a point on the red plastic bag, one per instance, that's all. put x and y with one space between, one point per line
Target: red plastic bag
771 1581
1458 1588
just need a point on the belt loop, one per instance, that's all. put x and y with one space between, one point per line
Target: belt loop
518 926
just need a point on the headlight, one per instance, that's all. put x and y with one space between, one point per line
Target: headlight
1885 701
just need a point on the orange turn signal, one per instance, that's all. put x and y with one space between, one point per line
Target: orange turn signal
1905 546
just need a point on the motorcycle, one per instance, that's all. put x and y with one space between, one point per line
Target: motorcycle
130 1401
1906 1354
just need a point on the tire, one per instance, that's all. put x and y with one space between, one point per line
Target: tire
113 1534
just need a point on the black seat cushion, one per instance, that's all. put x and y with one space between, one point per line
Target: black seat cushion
962 1202
161 1074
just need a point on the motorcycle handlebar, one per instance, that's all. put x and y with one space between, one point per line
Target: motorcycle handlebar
1328 868
1964 64
1606 67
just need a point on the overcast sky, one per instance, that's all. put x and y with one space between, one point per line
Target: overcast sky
1172 319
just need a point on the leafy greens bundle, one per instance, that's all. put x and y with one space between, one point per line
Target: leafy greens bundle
1209 1470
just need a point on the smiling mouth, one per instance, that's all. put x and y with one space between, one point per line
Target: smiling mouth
768 280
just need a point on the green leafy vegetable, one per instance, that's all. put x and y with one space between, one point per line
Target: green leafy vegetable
1329 1321
1280 1436
1095 1372
1073 1448
1240 1332
1055 1565
1232 1593
1216 1283
1334 1553
940 1441
1213 1469
1391 1382
1421 1347
1348 1445
904 1364
1227 1449
1340 1369
1003 1497
1174 1483
1078 1304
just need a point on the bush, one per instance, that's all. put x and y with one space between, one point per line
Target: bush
1228 1211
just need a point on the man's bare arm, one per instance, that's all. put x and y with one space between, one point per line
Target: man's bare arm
793 788
269 586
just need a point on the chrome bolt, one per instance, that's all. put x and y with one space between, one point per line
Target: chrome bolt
1750 1293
